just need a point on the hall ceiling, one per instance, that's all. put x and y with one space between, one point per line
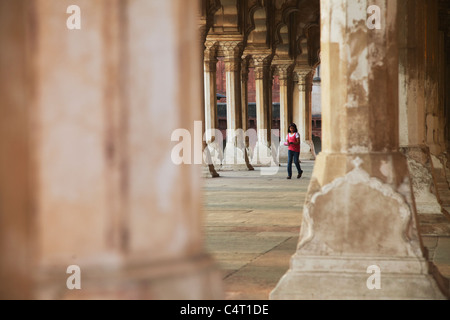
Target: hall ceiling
287 29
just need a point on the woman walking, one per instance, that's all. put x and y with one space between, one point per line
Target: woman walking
293 141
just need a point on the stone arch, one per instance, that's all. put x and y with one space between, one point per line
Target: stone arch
284 12
208 9
282 43
302 48
259 32
313 42
226 17
250 14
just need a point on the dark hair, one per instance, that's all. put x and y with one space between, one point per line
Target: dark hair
294 126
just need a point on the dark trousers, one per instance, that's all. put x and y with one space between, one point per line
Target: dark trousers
292 155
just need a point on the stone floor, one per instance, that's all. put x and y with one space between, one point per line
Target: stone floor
252 226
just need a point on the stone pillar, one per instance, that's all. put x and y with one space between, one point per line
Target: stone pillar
359 237
308 114
435 122
213 136
302 116
262 154
412 107
244 105
87 176
274 142
208 169
283 72
235 147
435 115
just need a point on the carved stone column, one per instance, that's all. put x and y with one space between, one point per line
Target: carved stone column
359 215
208 168
308 115
235 153
244 92
262 154
213 136
273 134
302 113
244 105
284 72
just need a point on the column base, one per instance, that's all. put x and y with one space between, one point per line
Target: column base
262 156
216 155
283 153
348 278
209 171
359 213
236 159
247 160
307 150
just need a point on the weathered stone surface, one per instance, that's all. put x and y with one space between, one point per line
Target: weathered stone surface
354 223
424 187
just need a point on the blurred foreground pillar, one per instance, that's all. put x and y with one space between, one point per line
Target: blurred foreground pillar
88 176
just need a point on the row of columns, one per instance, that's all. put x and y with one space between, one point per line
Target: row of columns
295 105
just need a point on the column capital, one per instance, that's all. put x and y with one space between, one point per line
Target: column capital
284 71
262 60
231 49
211 45
262 63
301 76
210 56
211 50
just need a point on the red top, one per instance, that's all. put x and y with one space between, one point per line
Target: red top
293 138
